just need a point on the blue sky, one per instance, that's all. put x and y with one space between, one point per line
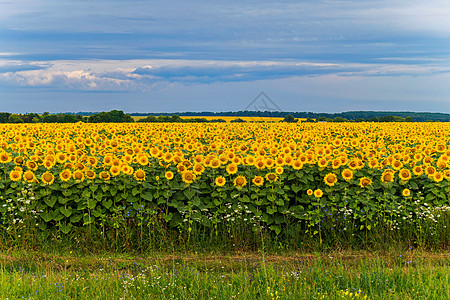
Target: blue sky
168 56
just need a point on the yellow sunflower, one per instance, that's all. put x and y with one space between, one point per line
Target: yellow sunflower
105 175
406 193
365 182
318 193
330 179
188 177
271 177
47 178
240 181
347 174
232 168
15 175
78 175
404 174
309 192
65 175
29 176
220 181
258 180
168 175
139 175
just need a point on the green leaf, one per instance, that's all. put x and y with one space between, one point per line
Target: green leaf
50 201
93 187
107 204
295 188
57 216
47 217
67 193
189 193
104 187
86 194
65 228
276 228
76 218
91 203
135 191
271 210
147 196
66 211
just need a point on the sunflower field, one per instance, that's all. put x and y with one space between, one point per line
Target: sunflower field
323 179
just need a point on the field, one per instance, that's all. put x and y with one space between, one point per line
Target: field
220 189
227 119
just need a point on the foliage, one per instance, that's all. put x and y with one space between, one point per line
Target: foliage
329 181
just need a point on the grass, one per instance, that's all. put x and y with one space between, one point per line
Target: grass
334 275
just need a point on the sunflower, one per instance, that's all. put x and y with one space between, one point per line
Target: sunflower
404 174
143 160
114 170
188 177
240 181
220 181
418 170
32 165
19 160
65 175
271 177
104 175
90 174
61 158
406 193
336 163
387 176
139 175
15 175
198 169
232 168
78 175
269 163
260 164
447 174
365 182
258 180
29 176
47 178
347 174
397 165
309 192
430 170
438 177
330 179
215 163
5 158
318 193
322 162
168 175
297 165
279 170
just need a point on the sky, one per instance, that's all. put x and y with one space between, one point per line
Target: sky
174 56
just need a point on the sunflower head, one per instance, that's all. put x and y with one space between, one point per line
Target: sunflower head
47 178
271 177
65 175
258 180
220 181
406 193
139 175
168 175
347 174
365 182
15 175
309 192
330 179
318 193
240 181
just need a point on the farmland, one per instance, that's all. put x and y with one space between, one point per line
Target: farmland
225 188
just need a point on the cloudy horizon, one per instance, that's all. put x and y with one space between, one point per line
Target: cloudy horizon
173 56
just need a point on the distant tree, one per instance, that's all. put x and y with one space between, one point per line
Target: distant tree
289 119
4 116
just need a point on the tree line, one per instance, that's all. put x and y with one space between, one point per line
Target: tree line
118 116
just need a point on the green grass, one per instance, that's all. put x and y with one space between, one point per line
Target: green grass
338 275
